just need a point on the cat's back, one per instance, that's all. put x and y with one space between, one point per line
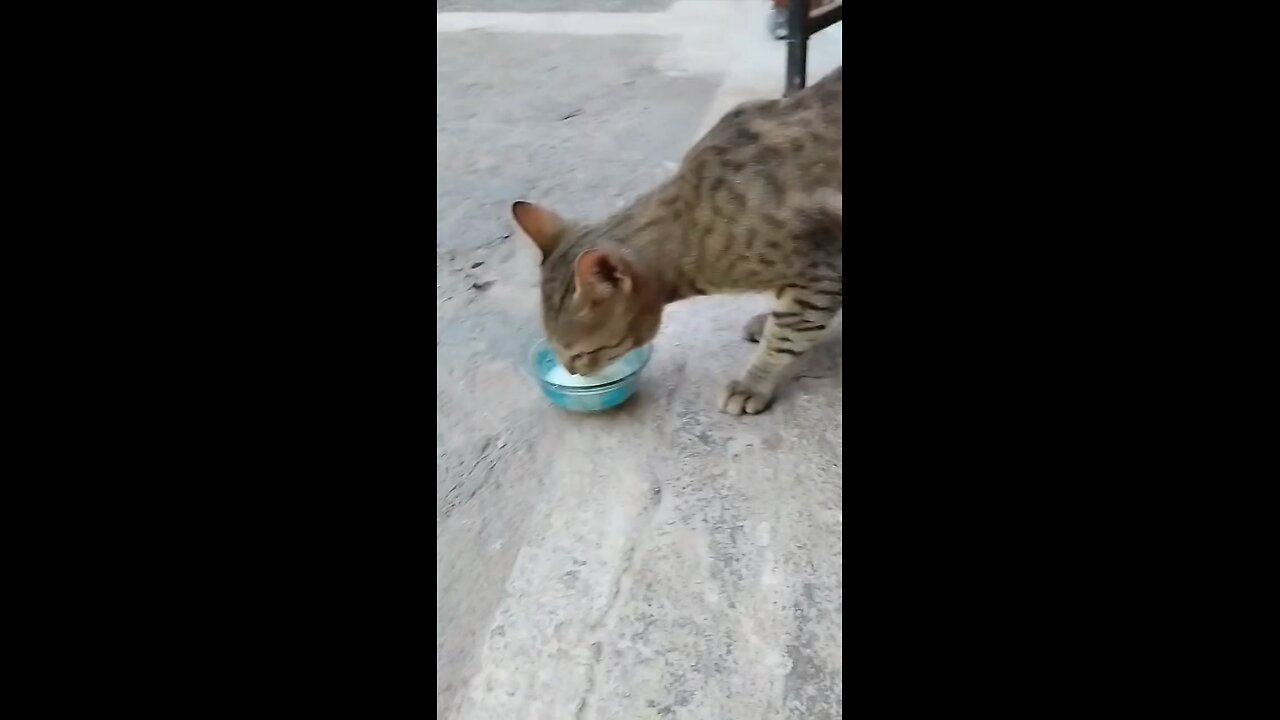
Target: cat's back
794 142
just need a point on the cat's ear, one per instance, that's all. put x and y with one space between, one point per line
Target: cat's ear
600 273
542 226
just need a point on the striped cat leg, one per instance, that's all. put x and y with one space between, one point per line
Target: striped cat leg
794 327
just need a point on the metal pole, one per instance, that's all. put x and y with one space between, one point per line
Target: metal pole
797 44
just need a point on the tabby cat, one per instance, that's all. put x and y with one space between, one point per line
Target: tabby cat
755 206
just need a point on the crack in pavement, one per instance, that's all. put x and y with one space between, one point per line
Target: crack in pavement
643 525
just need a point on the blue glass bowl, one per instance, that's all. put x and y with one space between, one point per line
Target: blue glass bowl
588 398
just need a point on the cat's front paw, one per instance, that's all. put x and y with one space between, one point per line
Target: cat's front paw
738 398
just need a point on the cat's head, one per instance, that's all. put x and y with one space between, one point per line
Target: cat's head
596 302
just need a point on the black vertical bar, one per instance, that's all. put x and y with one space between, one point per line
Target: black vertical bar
797 44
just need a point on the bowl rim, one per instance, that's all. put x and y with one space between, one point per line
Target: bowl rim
531 362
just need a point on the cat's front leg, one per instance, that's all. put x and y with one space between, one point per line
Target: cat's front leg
790 330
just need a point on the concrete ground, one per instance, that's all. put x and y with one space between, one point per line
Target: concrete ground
662 560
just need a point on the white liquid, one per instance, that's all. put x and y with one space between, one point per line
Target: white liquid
560 376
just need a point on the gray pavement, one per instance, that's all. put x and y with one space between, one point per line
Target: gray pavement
552 5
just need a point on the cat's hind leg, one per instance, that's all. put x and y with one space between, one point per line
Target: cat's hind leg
791 329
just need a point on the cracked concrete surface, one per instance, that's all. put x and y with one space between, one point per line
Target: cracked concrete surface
662 560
